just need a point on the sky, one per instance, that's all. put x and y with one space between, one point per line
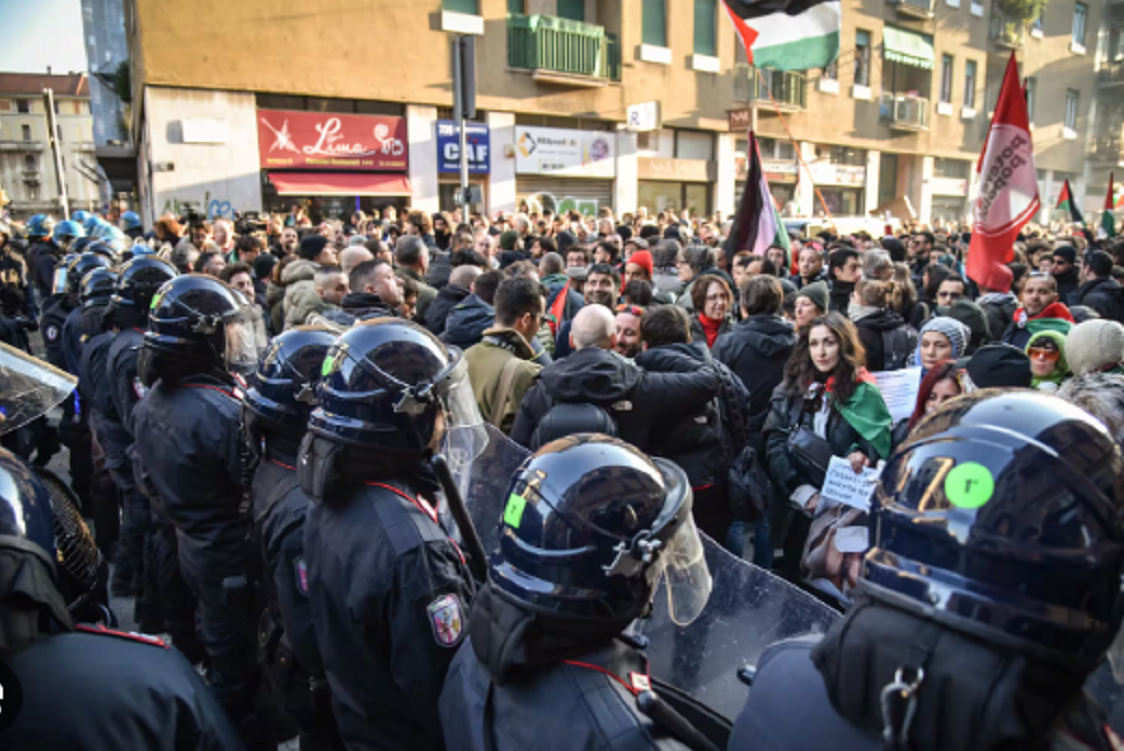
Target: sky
38 33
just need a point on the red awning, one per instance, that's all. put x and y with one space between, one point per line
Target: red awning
339 184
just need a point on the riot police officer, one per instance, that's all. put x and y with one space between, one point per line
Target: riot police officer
590 527
388 587
991 590
83 321
275 416
43 254
17 306
190 449
114 690
131 225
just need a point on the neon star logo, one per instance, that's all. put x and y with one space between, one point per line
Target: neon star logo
284 141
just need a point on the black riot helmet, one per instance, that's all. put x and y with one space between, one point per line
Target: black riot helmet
386 382
97 287
1001 517
102 249
282 391
140 279
199 318
68 278
591 526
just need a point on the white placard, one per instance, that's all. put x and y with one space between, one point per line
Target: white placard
852 539
899 390
842 486
643 117
567 153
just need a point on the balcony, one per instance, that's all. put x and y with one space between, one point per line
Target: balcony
561 51
1009 35
21 146
788 88
1111 73
1106 149
914 8
905 111
31 175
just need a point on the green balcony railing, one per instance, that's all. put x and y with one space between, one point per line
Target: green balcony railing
788 88
562 46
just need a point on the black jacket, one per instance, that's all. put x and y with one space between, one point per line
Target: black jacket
799 280
154 700
756 350
448 297
96 388
125 387
1000 310
51 323
538 699
640 402
1067 283
389 593
839 298
42 258
871 331
1105 296
359 306
467 321
698 333
440 267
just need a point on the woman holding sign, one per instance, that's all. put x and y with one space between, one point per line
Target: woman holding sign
828 405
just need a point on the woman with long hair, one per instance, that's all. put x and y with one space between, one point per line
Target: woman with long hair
941 384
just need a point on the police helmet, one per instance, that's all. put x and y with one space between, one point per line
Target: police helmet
80 216
81 245
282 391
386 382
130 220
66 232
91 222
140 279
1001 517
40 226
198 317
68 275
97 287
591 526
101 249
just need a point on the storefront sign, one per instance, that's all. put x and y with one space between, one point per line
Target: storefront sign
686 170
567 153
740 120
327 141
644 117
776 170
449 147
825 173
949 186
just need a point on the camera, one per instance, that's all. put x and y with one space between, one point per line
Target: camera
249 222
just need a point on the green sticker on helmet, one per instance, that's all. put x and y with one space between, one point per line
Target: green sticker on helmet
326 368
513 512
969 485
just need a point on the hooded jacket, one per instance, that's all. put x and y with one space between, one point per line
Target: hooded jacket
756 350
359 306
1105 296
638 401
1000 308
1055 317
486 362
449 296
554 284
301 299
872 331
1061 367
1067 282
467 321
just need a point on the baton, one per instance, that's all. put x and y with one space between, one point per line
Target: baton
476 558
665 716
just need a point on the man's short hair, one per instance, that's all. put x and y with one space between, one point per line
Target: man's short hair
520 269
927 235
605 270
762 295
638 292
1100 263
486 285
552 263
421 220
364 274
409 249
665 324
611 249
580 249
516 298
464 275
247 244
231 269
839 257
202 261
324 274
463 239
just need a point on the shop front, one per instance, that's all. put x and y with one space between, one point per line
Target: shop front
840 175
778 160
949 188
332 165
675 184
478 149
562 169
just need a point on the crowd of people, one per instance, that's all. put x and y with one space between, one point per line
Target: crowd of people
269 390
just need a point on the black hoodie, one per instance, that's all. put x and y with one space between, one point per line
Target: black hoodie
871 330
1105 296
359 306
756 350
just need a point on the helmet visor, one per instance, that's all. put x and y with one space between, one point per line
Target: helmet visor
465 434
58 283
686 578
28 388
246 340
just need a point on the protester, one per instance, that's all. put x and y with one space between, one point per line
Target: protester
628 329
885 337
1099 291
811 268
692 262
1095 346
412 258
844 270
974 318
1046 351
469 319
940 339
998 366
811 303
373 291
940 384
1040 311
712 302
1065 271
602 287
461 281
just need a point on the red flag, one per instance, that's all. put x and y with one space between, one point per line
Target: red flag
1007 188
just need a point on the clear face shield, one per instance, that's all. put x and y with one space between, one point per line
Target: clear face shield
246 340
28 388
465 436
58 283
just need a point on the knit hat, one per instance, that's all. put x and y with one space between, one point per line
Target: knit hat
1068 252
643 259
312 246
817 293
564 240
1000 366
957 333
508 240
1094 345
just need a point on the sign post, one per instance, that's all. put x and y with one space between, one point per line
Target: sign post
464 103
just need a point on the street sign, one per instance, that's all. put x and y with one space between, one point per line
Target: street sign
741 120
643 117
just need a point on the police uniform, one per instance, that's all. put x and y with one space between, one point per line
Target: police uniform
51 322
43 256
389 593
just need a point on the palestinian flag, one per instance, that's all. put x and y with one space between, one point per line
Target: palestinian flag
788 34
1066 202
1108 221
757 226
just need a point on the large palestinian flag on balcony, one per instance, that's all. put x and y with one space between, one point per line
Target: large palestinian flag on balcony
788 34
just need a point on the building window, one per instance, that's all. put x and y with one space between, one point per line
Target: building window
1071 99
572 9
460 6
831 72
654 23
1031 92
31 163
946 79
1080 11
26 131
862 58
970 84
957 169
706 31
648 140
32 191
23 106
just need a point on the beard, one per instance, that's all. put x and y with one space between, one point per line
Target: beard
629 350
600 297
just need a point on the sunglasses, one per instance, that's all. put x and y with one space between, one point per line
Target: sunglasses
1041 353
632 310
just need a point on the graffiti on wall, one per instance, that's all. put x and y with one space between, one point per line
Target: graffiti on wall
539 201
215 208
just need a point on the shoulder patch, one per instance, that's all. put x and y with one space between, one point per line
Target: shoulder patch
446 616
139 388
52 333
151 641
300 573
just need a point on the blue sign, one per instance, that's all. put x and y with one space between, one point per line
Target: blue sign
449 148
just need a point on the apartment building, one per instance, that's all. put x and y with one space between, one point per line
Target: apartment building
27 170
340 106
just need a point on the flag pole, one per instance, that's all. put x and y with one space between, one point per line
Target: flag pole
799 156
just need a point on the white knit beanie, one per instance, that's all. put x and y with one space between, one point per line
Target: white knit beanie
1093 345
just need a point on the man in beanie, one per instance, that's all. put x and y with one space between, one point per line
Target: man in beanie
1065 270
1040 311
1100 291
1095 346
298 278
509 240
999 366
818 294
639 266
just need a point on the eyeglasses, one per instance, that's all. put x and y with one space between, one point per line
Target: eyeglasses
632 310
1041 353
951 296
719 297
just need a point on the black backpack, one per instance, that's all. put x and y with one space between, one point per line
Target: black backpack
897 345
749 492
566 418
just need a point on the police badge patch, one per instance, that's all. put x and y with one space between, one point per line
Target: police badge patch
447 619
51 333
301 572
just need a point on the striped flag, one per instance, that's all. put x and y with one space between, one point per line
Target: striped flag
788 34
1108 221
757 226
1066 202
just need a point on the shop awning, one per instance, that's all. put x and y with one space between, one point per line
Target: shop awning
908 48
339 184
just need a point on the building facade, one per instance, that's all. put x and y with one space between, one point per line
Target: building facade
282 109
27 168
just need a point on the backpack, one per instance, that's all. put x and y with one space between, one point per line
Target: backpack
565 418
897 346
749 492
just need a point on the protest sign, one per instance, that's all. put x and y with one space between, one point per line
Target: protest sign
899 390
842 486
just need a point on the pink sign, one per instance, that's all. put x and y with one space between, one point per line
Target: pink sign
329 141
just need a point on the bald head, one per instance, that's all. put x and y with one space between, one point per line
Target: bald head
594 326
464 276
353 256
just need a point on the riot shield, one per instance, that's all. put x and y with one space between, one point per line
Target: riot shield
29 388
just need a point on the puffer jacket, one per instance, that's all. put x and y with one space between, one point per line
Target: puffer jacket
275 300
467 322
756 350
301 299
